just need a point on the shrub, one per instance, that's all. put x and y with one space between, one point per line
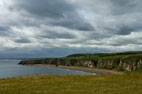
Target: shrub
119 69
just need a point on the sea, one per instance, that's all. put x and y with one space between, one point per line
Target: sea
11 68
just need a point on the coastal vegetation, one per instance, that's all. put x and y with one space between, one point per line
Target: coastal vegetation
123 61
127 83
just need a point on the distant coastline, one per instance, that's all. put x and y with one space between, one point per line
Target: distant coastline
123 61
10 59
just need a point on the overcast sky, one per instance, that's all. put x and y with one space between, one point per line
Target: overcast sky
55 28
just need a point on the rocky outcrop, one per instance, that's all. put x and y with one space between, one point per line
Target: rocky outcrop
131 66
109 64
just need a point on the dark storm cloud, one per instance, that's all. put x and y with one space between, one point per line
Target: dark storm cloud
4 31
119 17
22 40
129 23
60 12
74 22
45 8
54 35
124 29
3 28
98 36
126 6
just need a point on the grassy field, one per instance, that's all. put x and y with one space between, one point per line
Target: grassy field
128 83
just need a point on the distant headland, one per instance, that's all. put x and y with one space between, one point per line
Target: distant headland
122 61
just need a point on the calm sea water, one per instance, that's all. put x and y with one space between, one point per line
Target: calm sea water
10 68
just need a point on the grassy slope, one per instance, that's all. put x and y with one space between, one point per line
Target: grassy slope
110 56
129 83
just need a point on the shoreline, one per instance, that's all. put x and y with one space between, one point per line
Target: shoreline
84 69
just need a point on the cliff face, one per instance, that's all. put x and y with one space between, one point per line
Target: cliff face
121 65
131 66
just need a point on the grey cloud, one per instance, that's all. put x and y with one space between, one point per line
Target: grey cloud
113 7
75 24
74 21
117 14
126 6
22 40
4 28
4 31
121 42
98 36
60 12
124 29
45 8
52 28
54 35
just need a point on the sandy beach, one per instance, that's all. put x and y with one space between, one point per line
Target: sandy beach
84 69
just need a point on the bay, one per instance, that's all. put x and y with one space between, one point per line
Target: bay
11 68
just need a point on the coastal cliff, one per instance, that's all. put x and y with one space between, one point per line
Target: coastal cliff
126 61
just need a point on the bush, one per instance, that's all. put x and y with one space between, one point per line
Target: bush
119 69
139 69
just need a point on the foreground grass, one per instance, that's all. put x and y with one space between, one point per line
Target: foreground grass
129 83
